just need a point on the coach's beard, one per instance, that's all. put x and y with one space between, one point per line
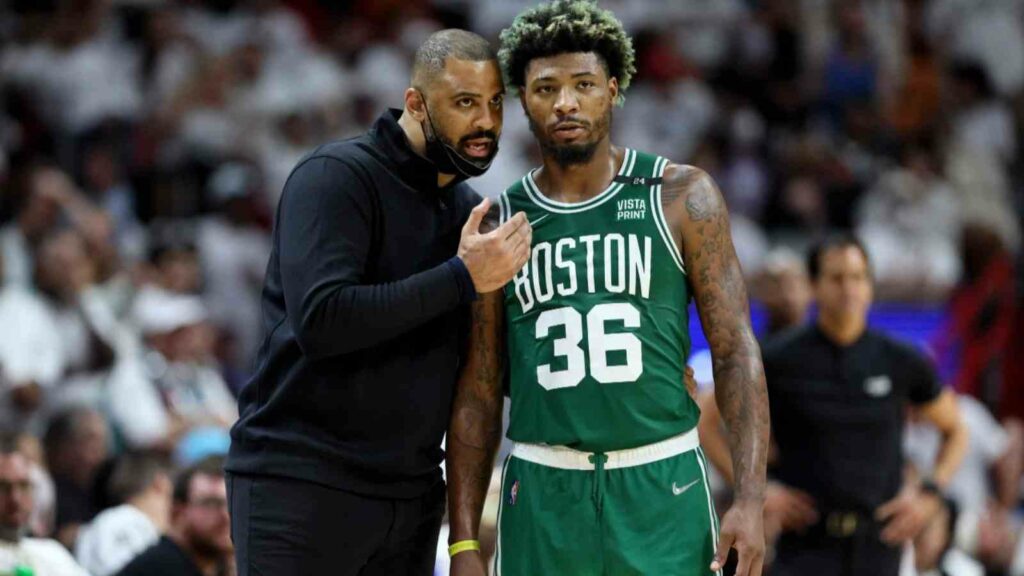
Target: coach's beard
447 158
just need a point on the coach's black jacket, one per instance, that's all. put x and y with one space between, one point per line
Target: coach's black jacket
364 312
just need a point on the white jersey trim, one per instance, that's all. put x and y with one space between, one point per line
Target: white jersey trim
659 216
538 198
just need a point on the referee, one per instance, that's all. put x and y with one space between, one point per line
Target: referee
334 466
839 393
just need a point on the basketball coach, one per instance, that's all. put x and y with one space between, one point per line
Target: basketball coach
334 463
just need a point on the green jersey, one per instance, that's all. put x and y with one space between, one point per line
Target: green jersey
597 319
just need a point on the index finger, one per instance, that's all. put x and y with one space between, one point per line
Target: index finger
887 509
725 542
804 509
512 225
803 498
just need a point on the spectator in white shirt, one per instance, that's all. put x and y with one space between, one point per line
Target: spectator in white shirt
910 222
982 122
31 358
234 252
172 385
44 557
142 483
181 359
36 207
986 488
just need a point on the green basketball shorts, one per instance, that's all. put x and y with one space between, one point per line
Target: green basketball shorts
645 510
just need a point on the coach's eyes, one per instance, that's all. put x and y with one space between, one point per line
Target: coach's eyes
465 103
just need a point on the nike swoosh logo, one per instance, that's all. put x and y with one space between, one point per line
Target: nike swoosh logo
677 490
538 220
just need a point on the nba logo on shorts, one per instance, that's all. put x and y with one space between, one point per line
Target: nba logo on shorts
513 494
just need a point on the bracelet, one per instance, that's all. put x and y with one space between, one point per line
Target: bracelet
462 546
929 486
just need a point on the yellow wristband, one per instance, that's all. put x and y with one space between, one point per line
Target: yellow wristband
462 546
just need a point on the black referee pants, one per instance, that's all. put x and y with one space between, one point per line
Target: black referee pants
285 527
816 553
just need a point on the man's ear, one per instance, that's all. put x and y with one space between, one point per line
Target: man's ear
414 104
613 89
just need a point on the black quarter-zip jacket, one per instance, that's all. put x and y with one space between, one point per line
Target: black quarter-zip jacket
365 310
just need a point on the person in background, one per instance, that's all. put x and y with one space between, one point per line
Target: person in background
198 541
66 278
839 392
785 291
36 210
77 443
986 489
31 355
233 252
174 258
40 556
180 358
141 484
44 493
934 551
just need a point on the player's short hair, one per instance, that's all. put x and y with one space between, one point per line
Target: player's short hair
832 242
133 473
565 27
209 466
440 46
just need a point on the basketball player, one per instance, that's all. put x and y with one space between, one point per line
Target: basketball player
606 476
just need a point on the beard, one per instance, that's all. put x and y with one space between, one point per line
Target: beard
460 146
577 152
206 546
13 533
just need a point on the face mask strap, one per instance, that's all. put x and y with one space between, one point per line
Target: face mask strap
464 168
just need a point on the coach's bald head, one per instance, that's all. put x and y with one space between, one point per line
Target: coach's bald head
430 59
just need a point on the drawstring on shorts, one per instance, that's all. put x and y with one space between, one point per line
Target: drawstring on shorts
598 459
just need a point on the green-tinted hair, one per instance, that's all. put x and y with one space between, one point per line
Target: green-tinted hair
564 27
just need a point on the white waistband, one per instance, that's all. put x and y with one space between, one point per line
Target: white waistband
569 459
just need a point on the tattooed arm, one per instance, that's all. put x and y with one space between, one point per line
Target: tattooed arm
474 432
696 212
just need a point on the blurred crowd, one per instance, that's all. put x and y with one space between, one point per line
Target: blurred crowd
144 143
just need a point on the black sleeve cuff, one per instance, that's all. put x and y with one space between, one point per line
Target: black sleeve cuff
467 292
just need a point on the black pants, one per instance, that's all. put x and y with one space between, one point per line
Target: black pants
861 553
284 527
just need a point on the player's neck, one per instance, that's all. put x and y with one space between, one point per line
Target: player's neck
842 331
580 182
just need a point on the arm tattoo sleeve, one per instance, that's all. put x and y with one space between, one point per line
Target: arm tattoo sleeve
692 200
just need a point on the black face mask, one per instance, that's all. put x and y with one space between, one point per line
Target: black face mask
447 158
